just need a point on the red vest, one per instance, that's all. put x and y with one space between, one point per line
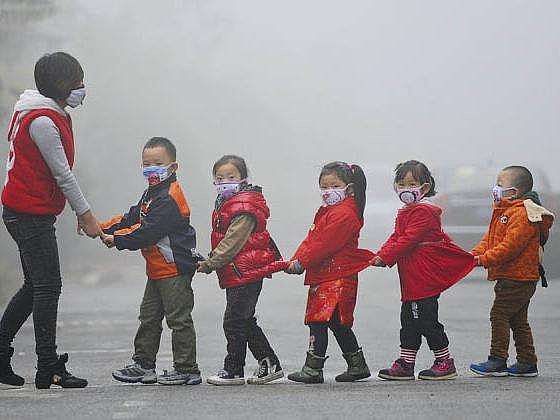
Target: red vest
259 257
30 187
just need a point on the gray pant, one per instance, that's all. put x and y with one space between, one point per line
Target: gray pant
173 299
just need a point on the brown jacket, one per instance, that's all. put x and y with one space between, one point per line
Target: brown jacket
511 248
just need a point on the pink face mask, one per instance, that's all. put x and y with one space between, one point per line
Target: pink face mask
227 189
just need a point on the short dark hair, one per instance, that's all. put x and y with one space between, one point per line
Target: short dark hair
522 178
57 74
236 161
349 174
420 173
162 142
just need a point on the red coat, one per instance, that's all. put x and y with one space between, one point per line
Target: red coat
259 257
330 250
30 187
427 259
332 260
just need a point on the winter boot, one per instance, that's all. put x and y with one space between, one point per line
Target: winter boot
399 371
58 375
357 367
442 369
7 375
312 371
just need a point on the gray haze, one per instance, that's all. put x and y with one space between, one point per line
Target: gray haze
293 84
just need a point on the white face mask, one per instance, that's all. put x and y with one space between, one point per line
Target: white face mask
76 97
498 192
332 196
410 195
228 188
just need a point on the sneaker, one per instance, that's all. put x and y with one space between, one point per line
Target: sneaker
179 378
399 371
495 366
441 369
7 375
135 373
58 375
524 370
223 377
266 372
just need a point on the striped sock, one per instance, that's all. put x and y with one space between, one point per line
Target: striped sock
408 355
442 354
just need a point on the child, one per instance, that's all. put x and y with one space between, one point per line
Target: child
243 253
331 259
510 252
428 263
159 225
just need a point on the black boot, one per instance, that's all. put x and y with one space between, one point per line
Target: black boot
7 375
312 371
58 375
357 367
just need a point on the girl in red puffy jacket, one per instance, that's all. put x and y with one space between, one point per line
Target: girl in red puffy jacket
428 263
243 253
331 259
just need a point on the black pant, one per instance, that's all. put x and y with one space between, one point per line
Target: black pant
241 329
38 250
319 336
420 318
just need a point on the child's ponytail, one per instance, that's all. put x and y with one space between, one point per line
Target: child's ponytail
360 185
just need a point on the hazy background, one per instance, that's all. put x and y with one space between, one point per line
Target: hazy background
288 85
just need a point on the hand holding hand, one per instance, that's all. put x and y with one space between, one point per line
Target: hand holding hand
203 268
295 268
108 240
88 224
378 262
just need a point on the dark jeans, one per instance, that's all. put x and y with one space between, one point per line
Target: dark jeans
36 240
241 329
319 336
420 318
510 312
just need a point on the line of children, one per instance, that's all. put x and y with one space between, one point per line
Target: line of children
244 253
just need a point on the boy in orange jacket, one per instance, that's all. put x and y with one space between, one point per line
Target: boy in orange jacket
511 251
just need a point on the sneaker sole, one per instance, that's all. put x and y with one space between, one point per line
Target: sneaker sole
489 374
524 375
396 378
266 379
226 382
180 382
4 387
438 378
134 380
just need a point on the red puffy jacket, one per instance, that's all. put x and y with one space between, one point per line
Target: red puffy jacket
427 259
330 250
30 187
259 257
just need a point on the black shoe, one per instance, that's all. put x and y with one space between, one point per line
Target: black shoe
267 371
58 375
7 375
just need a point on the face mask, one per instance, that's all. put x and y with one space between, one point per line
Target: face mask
332 196
410 195
498 192
227 189
156 174
76 97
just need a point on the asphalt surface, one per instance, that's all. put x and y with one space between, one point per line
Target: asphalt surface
98 322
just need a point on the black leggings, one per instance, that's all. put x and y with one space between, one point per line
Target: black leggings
319 336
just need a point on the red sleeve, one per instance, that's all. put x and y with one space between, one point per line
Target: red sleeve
420 222
322 243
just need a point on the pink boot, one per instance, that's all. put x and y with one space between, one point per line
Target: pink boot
399 371
442 369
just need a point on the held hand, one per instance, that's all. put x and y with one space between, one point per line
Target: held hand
294 268
378 262
108 240
477 261
89 224
203 268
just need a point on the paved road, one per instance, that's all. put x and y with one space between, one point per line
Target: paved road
97 323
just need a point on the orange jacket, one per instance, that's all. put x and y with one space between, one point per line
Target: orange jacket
510 249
